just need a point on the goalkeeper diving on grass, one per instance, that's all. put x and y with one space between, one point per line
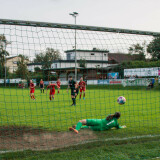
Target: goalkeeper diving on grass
111 121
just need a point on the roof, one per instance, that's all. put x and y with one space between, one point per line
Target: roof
11 57
121 57
93 50
70 61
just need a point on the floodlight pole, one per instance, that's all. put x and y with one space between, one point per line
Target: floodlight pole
5 65
75 14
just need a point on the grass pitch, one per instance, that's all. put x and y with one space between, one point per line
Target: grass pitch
140 114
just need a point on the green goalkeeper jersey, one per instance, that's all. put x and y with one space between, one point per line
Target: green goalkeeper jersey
102 124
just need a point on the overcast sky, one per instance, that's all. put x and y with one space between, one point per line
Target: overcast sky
130 14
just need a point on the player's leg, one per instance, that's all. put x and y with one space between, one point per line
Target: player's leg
50 97
78 126
33 95
84 94
43 90
94 124
53 96
80 94
30 94
73 99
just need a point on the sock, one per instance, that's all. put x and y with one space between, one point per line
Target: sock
50 98
74 101
33 97
83 95
58 91
80 96
43 90
78 126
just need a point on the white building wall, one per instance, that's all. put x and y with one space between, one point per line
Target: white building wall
88 65
89 55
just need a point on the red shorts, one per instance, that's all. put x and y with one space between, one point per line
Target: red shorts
32 91
52 93
82 89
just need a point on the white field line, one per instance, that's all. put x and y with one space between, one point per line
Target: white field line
90 141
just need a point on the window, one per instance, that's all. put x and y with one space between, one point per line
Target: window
92 54
15 62
68 56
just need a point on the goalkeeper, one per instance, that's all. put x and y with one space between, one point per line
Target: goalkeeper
109 122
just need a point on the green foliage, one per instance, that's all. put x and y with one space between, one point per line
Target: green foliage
47 57
37 69
82 63
3 54
137 49
22 71
38 76
154 48
135 64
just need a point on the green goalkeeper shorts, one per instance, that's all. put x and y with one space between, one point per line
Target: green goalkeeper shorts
96 124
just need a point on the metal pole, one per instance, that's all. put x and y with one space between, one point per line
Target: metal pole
75 53
5 66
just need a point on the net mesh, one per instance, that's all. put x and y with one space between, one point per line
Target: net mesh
39 52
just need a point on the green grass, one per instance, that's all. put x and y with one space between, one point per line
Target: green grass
144 149
140 114
141 110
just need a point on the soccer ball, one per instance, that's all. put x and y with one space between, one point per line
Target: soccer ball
121 100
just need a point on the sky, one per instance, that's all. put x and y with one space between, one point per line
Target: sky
128 14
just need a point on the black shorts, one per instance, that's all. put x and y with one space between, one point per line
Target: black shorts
77 91
72 92
41 86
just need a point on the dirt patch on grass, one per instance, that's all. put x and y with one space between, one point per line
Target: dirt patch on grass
19 138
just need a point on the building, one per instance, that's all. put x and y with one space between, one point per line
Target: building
11 63
117 58
91 64
92 61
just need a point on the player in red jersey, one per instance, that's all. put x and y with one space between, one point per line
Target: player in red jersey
32 89
82 85
52 90
41 85
58 84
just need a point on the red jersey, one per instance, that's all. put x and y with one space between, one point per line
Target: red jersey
82 84
41 82
58 83
52 87
32 86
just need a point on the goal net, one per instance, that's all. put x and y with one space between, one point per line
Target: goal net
110 63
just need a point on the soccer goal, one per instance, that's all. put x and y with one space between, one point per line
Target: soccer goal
59 85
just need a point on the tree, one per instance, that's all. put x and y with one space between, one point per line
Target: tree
37 69
154 48
3 54
138 49
47 57
82 63
22 71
